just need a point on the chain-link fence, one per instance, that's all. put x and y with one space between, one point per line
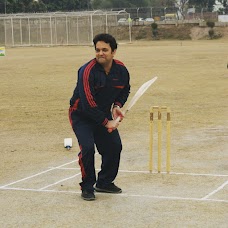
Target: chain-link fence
79 28
160 13
148 12
76 28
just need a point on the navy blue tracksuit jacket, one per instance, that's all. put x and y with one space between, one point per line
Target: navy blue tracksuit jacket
89 112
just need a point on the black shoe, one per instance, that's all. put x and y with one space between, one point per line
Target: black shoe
111 188
88 195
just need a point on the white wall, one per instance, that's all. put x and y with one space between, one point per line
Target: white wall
223 18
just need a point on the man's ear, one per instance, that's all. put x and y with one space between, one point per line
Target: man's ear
114 52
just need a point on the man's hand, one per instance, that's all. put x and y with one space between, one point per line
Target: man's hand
117 112
118 116
112 125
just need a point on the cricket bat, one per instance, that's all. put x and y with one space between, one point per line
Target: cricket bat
135 98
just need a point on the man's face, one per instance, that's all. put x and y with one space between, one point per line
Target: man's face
104 53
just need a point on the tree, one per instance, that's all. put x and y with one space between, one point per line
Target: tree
182 5
207 4
154 27
168 3
66 5
104 4
211 32
224 10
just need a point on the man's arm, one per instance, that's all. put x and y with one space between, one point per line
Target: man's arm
86 92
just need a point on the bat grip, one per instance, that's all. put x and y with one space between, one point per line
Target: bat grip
110 130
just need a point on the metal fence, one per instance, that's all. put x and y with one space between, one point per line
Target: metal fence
148 12
76 28
79 28
160 12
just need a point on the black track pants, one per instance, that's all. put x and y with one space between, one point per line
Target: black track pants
109 147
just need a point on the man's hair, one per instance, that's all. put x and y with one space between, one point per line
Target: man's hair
107 38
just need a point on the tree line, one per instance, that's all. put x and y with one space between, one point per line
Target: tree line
36 6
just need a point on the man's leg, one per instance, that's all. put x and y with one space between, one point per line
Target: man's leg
109 146
84 134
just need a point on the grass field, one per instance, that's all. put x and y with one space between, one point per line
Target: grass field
39 177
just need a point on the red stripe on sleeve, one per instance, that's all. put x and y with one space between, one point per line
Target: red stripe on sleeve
119 87
88 94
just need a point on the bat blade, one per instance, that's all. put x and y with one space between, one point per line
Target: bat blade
135 98
140 92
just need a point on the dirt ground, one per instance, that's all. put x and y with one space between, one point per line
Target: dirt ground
39 177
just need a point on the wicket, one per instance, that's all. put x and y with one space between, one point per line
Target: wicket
159 111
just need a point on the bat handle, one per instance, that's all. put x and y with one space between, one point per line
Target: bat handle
110 130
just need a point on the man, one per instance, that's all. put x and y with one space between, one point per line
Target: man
101 91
